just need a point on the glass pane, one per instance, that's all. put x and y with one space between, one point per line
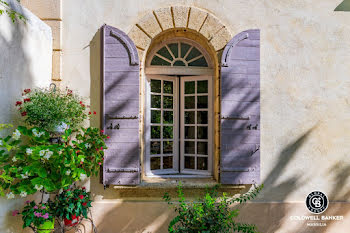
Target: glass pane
155 131
202 117
155 116
202 101
167 162
184 49
189 162
202 148
201 62
189 147
174 49
202 163
202 132
155 85
167 147
155 163
155 101
168 102
190 132
157 61
167 117
202 86
189 117
189 102
165 53
168 132
179 63
194 53
168 87
155 148
189 87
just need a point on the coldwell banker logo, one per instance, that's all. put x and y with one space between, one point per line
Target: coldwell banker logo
317 202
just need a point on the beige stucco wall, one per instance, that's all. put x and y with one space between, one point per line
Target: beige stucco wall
305 112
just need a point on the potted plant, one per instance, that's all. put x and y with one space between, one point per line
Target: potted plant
52 109
71 205
31 162
37 216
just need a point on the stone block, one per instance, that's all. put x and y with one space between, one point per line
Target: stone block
44 9
196 19
139 38
220 39
180 16
210 27
165 18
150 25
56 27
56 65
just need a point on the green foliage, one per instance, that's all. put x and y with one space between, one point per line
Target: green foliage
71 202
5 126
52 109
14 15
29 162
210 214
34 215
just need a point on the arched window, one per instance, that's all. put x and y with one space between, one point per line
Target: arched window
179 54
179 109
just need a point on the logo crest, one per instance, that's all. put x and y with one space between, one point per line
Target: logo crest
317 202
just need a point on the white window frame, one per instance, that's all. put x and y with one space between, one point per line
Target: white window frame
177 140
175 169
210 110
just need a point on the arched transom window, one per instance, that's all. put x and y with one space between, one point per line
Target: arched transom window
179 53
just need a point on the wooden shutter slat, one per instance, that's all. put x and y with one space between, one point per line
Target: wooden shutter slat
240 110
120 120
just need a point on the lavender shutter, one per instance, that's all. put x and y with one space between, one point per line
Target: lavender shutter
240 110
120 103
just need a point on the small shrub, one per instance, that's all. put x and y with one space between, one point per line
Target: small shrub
210 214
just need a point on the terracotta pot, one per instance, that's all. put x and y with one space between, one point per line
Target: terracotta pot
46 227
74 221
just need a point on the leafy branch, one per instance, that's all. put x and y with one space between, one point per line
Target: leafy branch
247 196
14 15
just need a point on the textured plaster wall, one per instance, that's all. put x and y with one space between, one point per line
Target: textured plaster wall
305 103
25 62
305 67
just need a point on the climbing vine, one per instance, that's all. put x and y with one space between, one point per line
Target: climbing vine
14 15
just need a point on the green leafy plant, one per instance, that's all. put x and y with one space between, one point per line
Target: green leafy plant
209 214
31 163
71 202
53 110
14 15
34 215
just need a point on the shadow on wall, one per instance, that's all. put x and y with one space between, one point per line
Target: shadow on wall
344 6
279 213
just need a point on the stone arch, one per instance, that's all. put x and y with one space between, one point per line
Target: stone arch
179 17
